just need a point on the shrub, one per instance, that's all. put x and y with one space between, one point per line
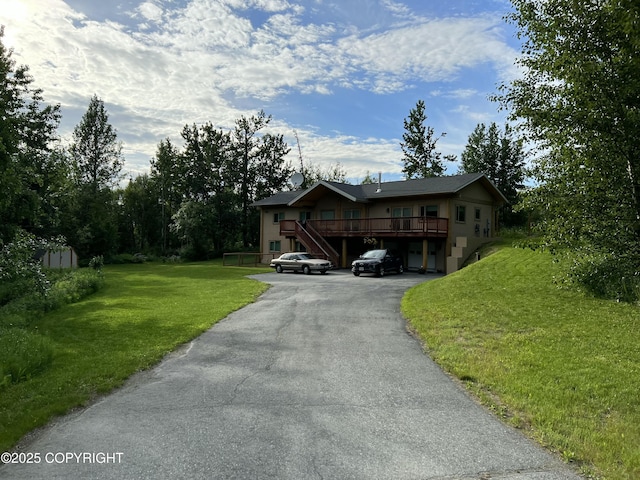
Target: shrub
69 287
127 258
606 275
20 265
15 288
22 355
96 263
73 287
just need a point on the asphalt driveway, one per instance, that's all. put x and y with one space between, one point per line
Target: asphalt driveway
316 380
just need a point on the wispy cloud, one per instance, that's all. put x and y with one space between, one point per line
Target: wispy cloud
169 63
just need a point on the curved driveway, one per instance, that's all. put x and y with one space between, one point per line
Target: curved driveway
318 379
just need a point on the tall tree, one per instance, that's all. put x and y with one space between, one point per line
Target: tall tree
96 151
579 98
258 161
30 174
167 176
207 219
421 159
97 158
500 157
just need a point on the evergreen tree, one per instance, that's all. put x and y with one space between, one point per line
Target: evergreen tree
97 158
501 158
421 159
95 150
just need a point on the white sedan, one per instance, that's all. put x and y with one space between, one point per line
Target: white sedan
300 262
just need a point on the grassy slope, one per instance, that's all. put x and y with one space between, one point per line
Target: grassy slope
142 313
561 365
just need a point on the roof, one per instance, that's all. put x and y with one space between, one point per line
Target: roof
280 198
366 193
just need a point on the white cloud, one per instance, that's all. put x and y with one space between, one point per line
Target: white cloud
359 155
150 11
265 5
176 65
433 50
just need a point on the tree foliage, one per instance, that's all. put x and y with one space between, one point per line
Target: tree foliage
500 156
166 176
196 198
421 159
140 215
30 172
96 153
579 98
258 160
206 188
313 173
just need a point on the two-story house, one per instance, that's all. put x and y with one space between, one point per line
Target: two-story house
433 223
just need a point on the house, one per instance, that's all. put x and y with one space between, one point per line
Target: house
433 223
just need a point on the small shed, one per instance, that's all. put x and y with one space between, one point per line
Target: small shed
63 258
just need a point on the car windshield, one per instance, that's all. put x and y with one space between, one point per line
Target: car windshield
374 254
304 256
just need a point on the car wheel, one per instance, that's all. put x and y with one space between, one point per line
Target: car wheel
400 269
356 273
381 271
306 270
279 268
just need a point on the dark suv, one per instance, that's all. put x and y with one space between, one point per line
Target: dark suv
378 262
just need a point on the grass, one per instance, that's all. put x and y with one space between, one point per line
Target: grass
560 365
142 313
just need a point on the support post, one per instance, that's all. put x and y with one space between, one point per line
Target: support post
425 253
344 253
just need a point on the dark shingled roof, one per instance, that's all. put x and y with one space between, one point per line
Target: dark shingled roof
402 188
280 198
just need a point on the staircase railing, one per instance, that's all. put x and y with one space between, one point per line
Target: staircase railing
334 256
315 243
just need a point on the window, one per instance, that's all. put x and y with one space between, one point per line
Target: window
461 213
478 212
304 216
351 214
328 215
429 211
352 220
401 212
277 217
274 246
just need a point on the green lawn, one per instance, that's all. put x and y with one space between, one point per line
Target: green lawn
143 312
562 366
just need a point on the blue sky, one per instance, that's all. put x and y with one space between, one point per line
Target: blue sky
343 74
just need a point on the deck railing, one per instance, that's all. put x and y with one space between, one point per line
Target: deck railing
371 227
428 226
